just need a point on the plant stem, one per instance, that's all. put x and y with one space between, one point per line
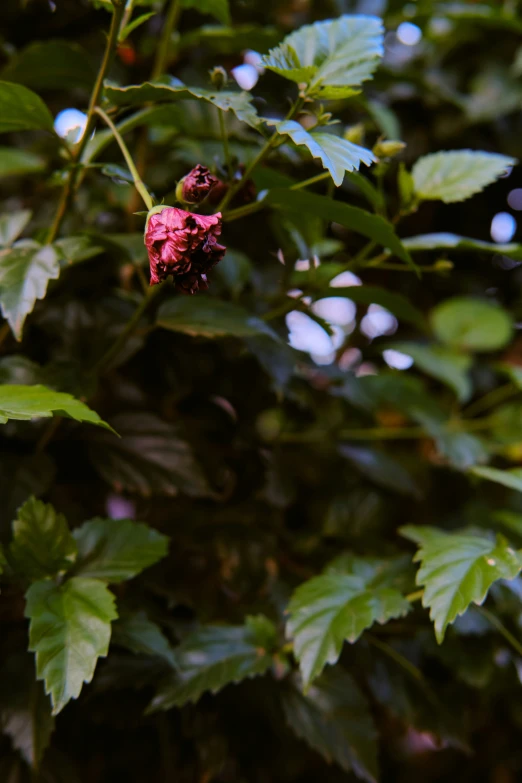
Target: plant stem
501 628
138 183
311 181
122 338
162 55
69 188
247 209
224 139
396 656
416 596
492 398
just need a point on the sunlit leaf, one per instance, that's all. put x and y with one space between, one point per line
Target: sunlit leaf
24 403
458 174
471 324
443 241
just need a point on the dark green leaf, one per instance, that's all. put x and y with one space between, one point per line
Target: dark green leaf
22 109
42 544
445 364
141 636
472 324
334 718
508 478
24 403
208 660
458 569
217 8
70 628
382 469
51 65
205 316
15 162
372 294
115 550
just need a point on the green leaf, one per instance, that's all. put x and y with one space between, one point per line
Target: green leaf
72 250
15 162
381 468
456 242
128 29
331 57
443 363
70 628
240 103
218 8
334 718
356 219
471 324
333 608
42 544
336 154
12 225
229 40
151 457
115 550
204 316
22 109
458 569
371 294
208 660
508 478
137 633
25 271
457 175
24 403
51 65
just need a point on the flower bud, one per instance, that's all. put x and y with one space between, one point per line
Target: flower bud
443 265
184 245
355 133
218 77
388 149
195 187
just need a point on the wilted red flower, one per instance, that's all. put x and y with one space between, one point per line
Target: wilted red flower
197 184
184 245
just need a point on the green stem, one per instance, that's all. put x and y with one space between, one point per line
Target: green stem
162 56
138 183
416 596
224 139
311 181
501 628
247 209
129 328
396 656
261 155
129 8
69 188
492 398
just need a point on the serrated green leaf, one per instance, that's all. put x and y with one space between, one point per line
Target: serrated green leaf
240 103
21 109
24 403
70 628
51 65
42 544
15 162
336 154
458 174
508 478
218 8
25 271
30 726
137 633
445 364
471 324
12 225
72 250
205 316
209 659
115 550
331 57
442 241
358 220
333 608
334 718
458 569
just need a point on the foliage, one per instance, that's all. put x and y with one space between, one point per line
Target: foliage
290 547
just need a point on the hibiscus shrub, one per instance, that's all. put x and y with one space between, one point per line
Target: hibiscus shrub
260 391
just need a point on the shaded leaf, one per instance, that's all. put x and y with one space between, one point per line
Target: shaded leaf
16 162
137 633
30 725
382 469
333 608
456 242
12 225
471 324
508 478
336 154
218 8
70 628
25 271
458 174
151 457
24 403
22 109
334 718
458 569
51 65
42 544
129 28
445 364
205 316
228 40
331 57
209 659
372 294
115 550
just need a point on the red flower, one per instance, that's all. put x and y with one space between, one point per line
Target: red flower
197 184
184 245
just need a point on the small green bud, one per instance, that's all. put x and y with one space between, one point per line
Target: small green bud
388 149
218 77
443 265
354 133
